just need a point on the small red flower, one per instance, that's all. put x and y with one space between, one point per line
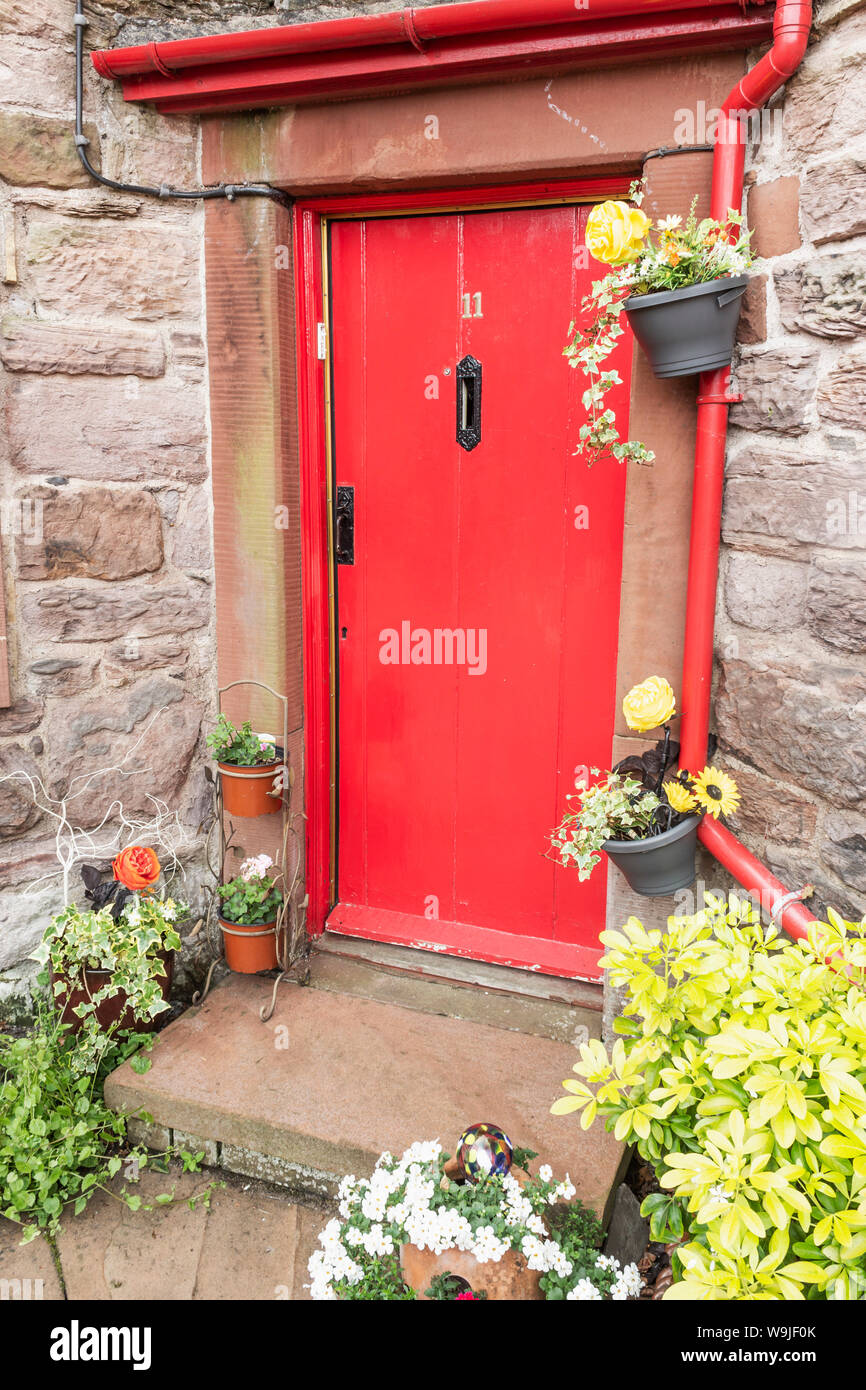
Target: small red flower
462 1297
136 868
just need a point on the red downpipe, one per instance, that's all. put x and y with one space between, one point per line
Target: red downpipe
409 26
791 33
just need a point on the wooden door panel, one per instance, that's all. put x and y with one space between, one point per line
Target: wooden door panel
396 449
449 779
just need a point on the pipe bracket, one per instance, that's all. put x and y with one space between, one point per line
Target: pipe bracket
721 398
157 61
412 34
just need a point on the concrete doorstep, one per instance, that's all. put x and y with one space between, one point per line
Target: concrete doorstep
333 1080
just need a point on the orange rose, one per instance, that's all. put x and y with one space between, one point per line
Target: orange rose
136 868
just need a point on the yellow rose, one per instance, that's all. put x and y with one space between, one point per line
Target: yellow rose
615 232
649 705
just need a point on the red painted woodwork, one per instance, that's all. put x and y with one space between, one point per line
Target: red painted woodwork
450 780
409 27
320 761
294 63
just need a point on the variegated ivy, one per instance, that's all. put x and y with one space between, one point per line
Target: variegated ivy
586 351
127 948
742 1079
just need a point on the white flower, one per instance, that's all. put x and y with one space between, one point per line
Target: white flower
488 1246
256 867
717 1191
376 1242
632 1280
545 1172
669 224
373 1205
584 1292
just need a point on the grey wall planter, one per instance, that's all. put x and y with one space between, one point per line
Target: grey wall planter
691 330
661 864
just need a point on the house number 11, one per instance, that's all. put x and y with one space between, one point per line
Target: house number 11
472 306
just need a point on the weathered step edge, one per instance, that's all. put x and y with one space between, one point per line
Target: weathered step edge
297 1178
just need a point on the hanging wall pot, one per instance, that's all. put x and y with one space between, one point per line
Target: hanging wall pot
249 791
112 1013
250 948
690 330
660 864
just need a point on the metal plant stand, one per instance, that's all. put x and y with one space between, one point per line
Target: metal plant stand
290 925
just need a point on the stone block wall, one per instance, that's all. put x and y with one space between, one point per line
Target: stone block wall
790 703
104 471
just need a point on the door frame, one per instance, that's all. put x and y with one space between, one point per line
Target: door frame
311 218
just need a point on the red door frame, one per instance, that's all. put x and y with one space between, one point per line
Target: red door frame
310 219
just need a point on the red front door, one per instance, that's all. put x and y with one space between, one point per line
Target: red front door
477 625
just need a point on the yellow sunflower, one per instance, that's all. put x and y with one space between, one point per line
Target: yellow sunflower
717 793
679 796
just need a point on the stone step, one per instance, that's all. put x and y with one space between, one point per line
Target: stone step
566 1011
332 1080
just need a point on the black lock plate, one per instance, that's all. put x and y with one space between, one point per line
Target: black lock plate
344 526
469 403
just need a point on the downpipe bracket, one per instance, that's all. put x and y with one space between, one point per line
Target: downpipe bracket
721 398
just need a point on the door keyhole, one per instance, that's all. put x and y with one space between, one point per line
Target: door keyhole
467 402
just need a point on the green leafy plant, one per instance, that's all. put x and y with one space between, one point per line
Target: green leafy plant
679 255
59 1142
614 808
741 1076
240 747
129 948
253 896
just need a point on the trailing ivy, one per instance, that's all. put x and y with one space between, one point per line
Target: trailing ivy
60 1144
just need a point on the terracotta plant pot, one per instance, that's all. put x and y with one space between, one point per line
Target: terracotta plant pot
248 791
660 864
508 1280
250 949
690 330
110 1013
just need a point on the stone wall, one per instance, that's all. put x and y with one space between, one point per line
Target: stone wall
104 468
790 706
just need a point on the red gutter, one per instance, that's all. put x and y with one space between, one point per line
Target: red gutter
409 26
441 44
791 33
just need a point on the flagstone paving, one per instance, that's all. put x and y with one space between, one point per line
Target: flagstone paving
253 1244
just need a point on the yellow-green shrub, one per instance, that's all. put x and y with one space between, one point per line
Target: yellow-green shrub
742 1079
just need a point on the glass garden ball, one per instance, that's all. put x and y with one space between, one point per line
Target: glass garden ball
484 1150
